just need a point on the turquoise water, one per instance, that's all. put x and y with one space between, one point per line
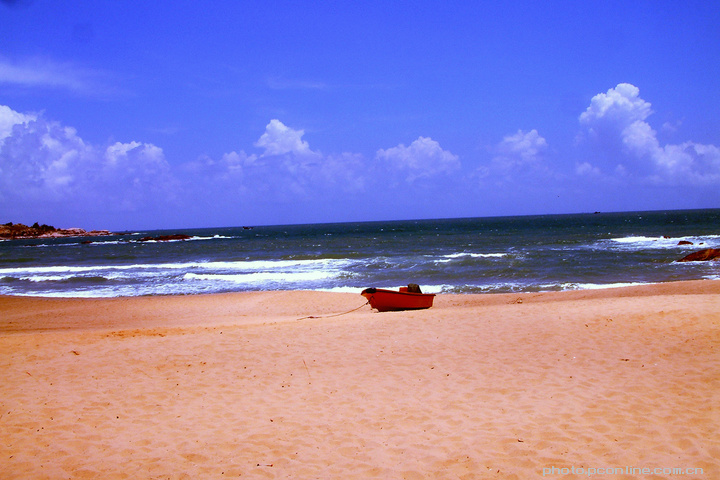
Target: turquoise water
471 255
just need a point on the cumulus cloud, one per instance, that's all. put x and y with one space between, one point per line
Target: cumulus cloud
288 167
423 158
279 139
287 171
520 149
517 156
9 118
688 163
137 172
42 160
620 106
616 123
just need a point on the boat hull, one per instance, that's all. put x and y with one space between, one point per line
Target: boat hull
390 300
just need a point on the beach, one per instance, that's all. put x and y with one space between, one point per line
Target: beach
285 384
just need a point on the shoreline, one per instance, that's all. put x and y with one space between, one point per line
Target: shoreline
475 256
479 386
19 308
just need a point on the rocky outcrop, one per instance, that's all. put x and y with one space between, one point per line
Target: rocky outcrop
684 242
702 255
12 231
165 238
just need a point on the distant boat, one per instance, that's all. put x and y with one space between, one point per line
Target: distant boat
408 298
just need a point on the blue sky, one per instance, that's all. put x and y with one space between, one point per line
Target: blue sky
178 114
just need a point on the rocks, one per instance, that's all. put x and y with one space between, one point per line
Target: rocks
684 242
165 238
17 231
12 231
702 255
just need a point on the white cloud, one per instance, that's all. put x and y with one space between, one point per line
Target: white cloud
423 158
138 164
520 149
279 139
290 168
688 163
287 172
620 105
517 156
616 123
42 161
639 139
586 169
225 178
44 73
347 170
45 165
9 118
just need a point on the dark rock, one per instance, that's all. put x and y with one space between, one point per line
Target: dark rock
10 231
684 242
165 238
702 255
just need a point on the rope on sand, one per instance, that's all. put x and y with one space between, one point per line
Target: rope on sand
336 314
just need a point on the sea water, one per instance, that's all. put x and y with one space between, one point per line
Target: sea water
468 255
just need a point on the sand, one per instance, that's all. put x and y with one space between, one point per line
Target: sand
480 386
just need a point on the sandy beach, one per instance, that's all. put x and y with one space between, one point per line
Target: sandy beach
270 385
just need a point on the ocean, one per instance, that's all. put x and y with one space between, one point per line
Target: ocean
466 255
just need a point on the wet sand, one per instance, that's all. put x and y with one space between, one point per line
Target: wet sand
245 386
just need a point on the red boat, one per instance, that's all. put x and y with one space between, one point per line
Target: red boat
408 298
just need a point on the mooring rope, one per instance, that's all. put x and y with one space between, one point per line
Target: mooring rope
335 314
